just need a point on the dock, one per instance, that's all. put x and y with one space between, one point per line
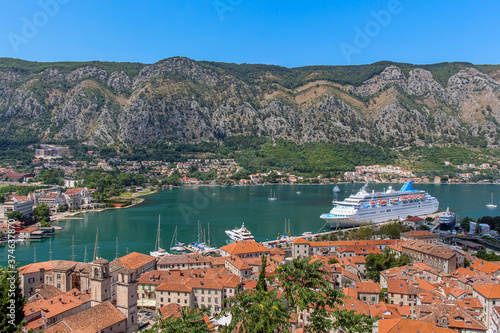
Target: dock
286 241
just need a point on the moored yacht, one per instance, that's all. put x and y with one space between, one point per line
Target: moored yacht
238 234
448 218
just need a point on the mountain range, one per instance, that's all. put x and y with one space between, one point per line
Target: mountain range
182 100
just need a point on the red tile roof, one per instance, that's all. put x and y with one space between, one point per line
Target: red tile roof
94 319
489 291
171 309
368 287
484 266
245 247
135 260
410 326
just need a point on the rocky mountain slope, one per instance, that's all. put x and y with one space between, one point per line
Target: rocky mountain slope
182 100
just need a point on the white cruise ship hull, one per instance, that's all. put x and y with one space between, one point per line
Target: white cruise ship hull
364 208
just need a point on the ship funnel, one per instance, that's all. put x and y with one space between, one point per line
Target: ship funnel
408 187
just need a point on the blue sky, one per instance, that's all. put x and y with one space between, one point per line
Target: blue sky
287 33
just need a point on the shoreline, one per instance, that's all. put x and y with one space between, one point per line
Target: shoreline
136 197
68 215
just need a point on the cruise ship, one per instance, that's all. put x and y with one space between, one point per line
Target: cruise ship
238 234
364 207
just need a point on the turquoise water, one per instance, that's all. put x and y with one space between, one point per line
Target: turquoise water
223 208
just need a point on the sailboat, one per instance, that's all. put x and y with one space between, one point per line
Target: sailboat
492 204
271 196
158 252
336 189
200 245
298 192
176 246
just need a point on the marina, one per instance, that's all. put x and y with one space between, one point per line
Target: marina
183 207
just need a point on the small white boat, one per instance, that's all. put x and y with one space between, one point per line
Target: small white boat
336 189
176 246
492 204
271 196
239 234
158 252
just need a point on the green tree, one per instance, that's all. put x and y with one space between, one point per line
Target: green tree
365 232
393 230
11 300
44 223
261 282
190 321
15 215
258 310
376 262
306 287
42 211
351 322
465 223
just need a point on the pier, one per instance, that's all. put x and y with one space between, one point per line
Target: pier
286 241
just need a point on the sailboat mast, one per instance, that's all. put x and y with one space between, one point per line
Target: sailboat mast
116 249
199 231
85 254
208 235
50 249
73 248
158 240
95 245
174 238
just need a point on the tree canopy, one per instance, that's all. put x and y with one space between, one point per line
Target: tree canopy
376 262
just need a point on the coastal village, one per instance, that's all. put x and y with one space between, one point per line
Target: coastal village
445 288
442 290
72 194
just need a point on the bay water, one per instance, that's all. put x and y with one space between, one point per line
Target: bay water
218 209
